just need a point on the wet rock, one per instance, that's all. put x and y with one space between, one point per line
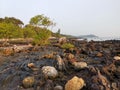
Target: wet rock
92 70
79 65
49 72
108 69
16 66
75 84
58 87
60 63
48 85
28 82
100 82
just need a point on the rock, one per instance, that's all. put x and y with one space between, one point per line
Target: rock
31 65
114 86
16 48
28 82
99 54
49 72
48 85
75 84
99 81
70 56
117 57
50 56
8 51
108 69
62 40
72 60
79 65
60 63
58 87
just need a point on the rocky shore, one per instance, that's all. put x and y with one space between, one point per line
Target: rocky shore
88 66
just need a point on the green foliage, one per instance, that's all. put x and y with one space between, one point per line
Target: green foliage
58 33
10 27
9 30
41 20
42 36
11 20
29 32
67 46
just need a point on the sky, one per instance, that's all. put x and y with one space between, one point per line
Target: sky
73 17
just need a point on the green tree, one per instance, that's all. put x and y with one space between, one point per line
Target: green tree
29 32
58 33
42 36
12 20
9 30
41 21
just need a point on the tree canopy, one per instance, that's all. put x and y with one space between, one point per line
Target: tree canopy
41 21
10 27
11 20
9 30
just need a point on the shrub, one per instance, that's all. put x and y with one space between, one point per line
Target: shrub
42 36
67 46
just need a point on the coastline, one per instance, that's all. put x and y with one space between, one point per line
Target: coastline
99 56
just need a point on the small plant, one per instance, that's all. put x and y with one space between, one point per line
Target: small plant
67 46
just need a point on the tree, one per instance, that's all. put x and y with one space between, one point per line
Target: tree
29 32
9 30
12 20
58 33
42 36
41 21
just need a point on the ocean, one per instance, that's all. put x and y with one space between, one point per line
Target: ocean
101 38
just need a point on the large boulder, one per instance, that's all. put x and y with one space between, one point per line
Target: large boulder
75 83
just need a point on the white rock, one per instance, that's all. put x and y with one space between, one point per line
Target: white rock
117 57
58 87
49 72
79 65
